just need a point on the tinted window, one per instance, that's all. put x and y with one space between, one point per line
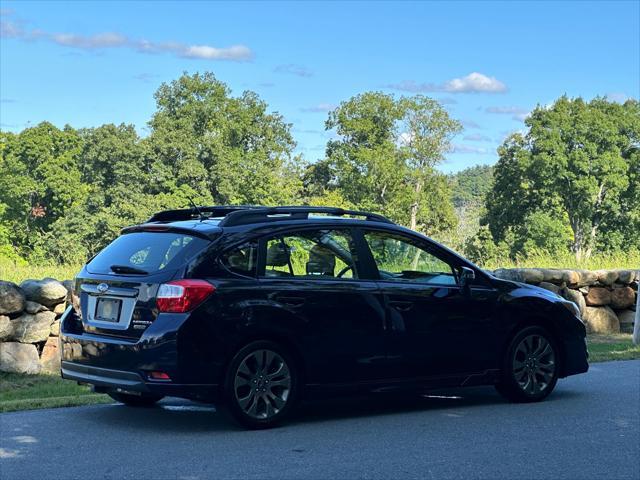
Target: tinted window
241 260
401 259
311 254
147 251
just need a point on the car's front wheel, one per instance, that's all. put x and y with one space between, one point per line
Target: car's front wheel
261 385
143 400
530 367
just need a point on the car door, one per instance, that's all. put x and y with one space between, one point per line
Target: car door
313 274
437 327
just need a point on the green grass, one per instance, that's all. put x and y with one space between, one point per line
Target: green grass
18 273
598 261
603 348
28 392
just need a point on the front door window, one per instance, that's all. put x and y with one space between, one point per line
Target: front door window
400 259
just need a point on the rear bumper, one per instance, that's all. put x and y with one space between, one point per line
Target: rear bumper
105 380
120 364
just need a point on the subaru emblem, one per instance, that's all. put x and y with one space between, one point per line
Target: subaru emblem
102 287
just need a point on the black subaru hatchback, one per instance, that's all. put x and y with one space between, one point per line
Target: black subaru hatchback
253 308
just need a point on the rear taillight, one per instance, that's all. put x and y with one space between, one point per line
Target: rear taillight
183 295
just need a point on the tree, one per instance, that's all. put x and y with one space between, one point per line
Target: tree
225 149
426 137
385 155
575 162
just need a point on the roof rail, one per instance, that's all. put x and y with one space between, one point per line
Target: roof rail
244 216
193 214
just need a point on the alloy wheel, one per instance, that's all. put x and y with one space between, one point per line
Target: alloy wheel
534 364
262 384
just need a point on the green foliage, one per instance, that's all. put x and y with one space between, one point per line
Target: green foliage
65 194
384 158
578 163
471 185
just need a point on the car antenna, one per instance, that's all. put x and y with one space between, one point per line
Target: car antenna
197 209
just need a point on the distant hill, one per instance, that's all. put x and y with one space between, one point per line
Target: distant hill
471 184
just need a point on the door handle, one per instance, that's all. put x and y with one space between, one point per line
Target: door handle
401 305
291 301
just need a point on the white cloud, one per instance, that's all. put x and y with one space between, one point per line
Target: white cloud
321 107
293 69
476 137
107 40
505 110
473 83
517 113
618 97
470 150
235 52
470 124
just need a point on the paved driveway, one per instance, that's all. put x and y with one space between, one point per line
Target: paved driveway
589 428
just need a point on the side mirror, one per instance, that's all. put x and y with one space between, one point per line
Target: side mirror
467 275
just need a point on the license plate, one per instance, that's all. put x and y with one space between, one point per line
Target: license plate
108 309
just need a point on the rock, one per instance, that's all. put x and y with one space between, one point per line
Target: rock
59 309
513 274
626 318
6 328
550 286
532 275
601 320
607 277
577 298
19 358
32 328
626 276
552 275
34 307
622 298
48 292
12 299
50 358
598 296
55 328
571 277
587 278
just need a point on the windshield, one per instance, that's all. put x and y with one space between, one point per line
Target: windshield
140 253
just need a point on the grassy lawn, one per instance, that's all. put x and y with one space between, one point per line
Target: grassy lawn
603 348
27 392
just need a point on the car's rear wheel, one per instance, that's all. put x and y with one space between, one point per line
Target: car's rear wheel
143 400
261 385
530 367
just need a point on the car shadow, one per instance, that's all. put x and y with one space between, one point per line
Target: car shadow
177 415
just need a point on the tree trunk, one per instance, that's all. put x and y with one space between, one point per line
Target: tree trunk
414 207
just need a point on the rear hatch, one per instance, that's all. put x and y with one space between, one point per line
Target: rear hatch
118 287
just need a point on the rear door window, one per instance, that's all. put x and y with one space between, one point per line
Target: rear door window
311 254
146 252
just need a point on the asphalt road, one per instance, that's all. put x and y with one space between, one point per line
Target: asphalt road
589 428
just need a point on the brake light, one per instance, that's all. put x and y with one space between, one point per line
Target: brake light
183 295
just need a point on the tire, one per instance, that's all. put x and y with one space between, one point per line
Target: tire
144 400
530 366
261 385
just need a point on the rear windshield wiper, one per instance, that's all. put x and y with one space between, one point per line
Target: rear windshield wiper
127 269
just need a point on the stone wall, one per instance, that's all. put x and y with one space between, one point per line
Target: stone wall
606 298
30 325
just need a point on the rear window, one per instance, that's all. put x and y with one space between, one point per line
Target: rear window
146 252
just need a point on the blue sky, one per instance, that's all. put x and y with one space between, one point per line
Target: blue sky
89 63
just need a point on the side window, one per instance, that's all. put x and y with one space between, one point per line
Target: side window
242 260
399 259
311 254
